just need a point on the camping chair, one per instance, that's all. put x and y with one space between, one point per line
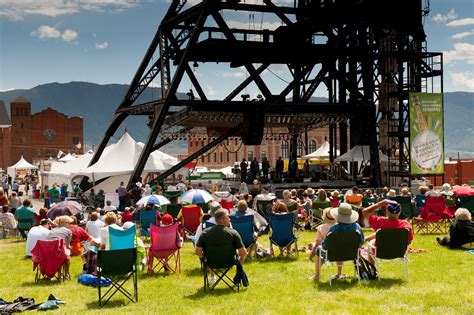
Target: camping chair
368 201
50 260
173 210
120 239
8 227
24 225
391 244
317 213
244 225
191 218
204 207
431 219
283 235
219 259
147 217
354 200
467 202
419 203
407 206
165 245
226 204
341 247
118 266
264 208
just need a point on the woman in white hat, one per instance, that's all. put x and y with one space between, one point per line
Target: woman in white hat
346 219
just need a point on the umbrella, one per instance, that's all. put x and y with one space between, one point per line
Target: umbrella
463 190
266 197
154 200
223 195
195 196
64 208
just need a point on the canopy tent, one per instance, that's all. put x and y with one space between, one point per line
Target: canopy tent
321 153
61 171
359 153
22 164
121 158
67 158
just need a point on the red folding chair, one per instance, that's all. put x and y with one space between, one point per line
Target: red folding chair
190 218
226 204
165 246
50 260
432 218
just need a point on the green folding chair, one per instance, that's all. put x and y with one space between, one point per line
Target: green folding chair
220 260
341 247
173 210
118 266
391 244
407 206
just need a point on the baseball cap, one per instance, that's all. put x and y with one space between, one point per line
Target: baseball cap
394 208
167 219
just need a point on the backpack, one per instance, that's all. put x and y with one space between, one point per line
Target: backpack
367 270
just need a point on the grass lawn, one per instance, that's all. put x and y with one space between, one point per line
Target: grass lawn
441 282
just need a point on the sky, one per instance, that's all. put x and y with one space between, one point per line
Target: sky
104 41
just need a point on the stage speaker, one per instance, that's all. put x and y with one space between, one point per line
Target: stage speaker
252 129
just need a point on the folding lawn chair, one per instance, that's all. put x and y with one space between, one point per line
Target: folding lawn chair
120 239
407 206
354 200
173 210
147 217
204 207
341 247
50 260
190 220
317 213
165 246
432 218
8 227
244 225
391 244
264 208
283 232
118 266
467 202
219 260
419 203
368 201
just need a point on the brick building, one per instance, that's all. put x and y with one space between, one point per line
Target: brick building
5 137
273 146
43 134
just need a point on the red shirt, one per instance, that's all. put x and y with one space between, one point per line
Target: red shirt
78 234
126 217
384 223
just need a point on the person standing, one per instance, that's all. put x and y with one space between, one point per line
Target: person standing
279 165
265 167
243 171
254 168
122 194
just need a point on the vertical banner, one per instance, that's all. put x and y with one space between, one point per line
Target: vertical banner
426 133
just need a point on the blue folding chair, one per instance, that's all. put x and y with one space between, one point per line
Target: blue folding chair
245 226
283 232
122 239
147 217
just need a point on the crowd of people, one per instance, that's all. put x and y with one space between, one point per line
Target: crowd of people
326 212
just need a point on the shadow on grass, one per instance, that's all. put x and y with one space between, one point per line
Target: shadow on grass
272 259
195 272
339 285
224 290
42 283
114 303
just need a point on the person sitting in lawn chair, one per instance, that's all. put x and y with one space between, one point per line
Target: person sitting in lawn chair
392 221
220 235
346 219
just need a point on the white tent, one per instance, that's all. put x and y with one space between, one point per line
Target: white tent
60 172
359 153
22 164
68 157
321 153
121 158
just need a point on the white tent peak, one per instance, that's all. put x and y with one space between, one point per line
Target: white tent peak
359 153
321 153
23 164
68 157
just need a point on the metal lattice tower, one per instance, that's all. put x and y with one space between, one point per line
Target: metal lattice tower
363 56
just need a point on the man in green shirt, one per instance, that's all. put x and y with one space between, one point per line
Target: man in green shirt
220 235
25 216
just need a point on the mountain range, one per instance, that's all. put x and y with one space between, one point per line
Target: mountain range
97 103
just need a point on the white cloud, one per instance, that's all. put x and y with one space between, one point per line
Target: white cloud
211 91
463 34
462 52
439 18
18 9
69 35
463 80
461 22
239 73
245 25
48 32
102 45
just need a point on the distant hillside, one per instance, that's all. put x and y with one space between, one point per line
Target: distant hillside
97 103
